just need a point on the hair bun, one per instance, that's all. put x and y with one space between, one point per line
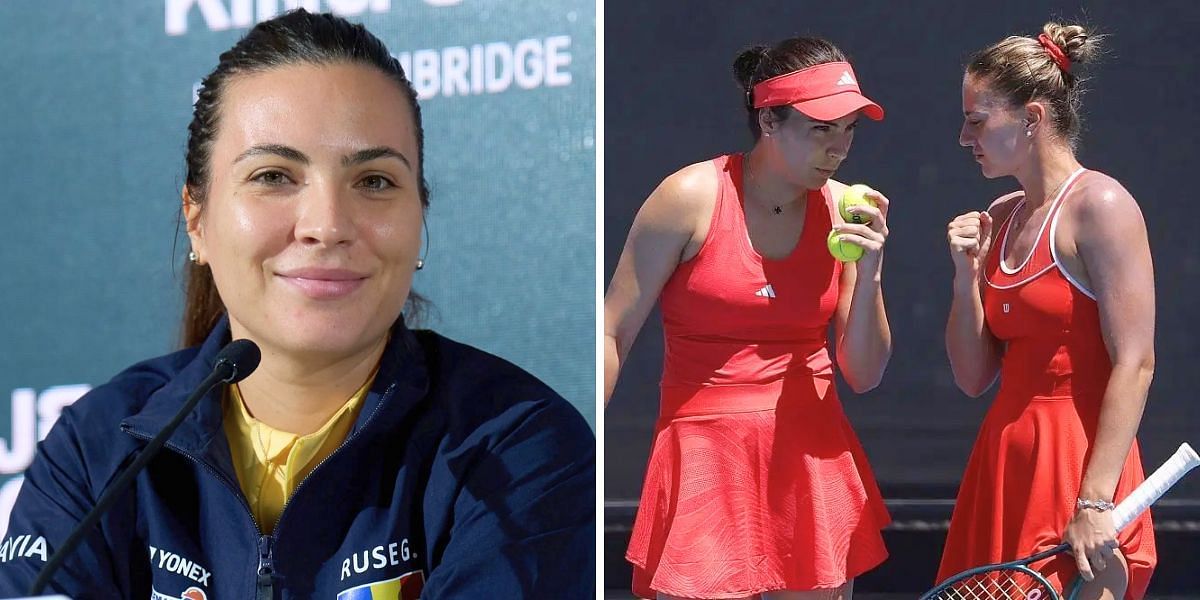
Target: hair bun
747 62
1080 46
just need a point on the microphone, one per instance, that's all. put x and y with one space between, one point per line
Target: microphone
239 358
235 362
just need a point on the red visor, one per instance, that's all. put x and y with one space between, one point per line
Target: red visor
825 92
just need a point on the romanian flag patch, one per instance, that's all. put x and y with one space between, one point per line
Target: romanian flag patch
405 587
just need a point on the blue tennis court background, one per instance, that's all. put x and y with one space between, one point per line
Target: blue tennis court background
670 100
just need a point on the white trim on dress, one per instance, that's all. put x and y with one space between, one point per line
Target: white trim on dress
1048 222
1053 206
1058 263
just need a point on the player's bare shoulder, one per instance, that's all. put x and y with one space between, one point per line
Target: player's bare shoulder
1097 191
688 191
682 206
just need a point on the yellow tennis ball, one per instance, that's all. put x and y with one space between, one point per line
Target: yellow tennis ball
843 251
855 195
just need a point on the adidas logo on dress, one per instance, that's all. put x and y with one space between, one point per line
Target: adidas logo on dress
766 292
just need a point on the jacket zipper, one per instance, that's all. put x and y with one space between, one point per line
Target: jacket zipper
266 568
386 394
261 541
265 543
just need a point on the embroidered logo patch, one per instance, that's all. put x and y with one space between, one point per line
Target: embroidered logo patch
192 593
405 587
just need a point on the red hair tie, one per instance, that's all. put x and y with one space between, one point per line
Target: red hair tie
1055 52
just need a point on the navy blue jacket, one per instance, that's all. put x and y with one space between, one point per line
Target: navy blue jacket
463 475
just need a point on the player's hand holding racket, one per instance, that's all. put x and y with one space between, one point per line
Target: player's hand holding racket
1013 580
1092 537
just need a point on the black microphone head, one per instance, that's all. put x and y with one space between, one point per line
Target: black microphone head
240 358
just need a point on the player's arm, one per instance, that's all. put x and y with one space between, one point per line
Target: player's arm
663 230
974 352
862 333
523 522
58 492
1111 240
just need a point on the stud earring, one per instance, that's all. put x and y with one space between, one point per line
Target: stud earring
192 257
420 264
1028 133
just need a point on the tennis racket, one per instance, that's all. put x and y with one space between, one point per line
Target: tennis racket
1016 581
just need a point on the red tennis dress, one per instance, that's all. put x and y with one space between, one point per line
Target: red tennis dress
1023 476
756 481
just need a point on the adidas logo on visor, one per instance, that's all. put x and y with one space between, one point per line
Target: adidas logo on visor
846 79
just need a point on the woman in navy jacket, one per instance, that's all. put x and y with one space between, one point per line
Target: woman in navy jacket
455 474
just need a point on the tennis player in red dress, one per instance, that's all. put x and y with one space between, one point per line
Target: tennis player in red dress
1058 303
756 485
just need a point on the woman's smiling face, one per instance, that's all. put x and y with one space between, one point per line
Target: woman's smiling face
311 220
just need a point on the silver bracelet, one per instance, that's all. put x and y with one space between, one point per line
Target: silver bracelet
1096 505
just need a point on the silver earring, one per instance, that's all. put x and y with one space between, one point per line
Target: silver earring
420 264
767 133
1028 133
192 256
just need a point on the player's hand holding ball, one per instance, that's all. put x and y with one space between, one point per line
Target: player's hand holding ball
863 230
855 195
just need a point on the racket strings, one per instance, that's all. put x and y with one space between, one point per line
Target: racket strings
997 585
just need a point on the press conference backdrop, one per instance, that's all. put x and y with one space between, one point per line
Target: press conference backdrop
670 100
93 118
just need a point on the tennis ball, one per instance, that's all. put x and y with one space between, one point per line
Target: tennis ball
855 195
843 251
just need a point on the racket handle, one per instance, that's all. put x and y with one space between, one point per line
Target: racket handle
1185 459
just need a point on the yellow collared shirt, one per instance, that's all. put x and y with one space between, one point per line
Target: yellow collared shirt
270 463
